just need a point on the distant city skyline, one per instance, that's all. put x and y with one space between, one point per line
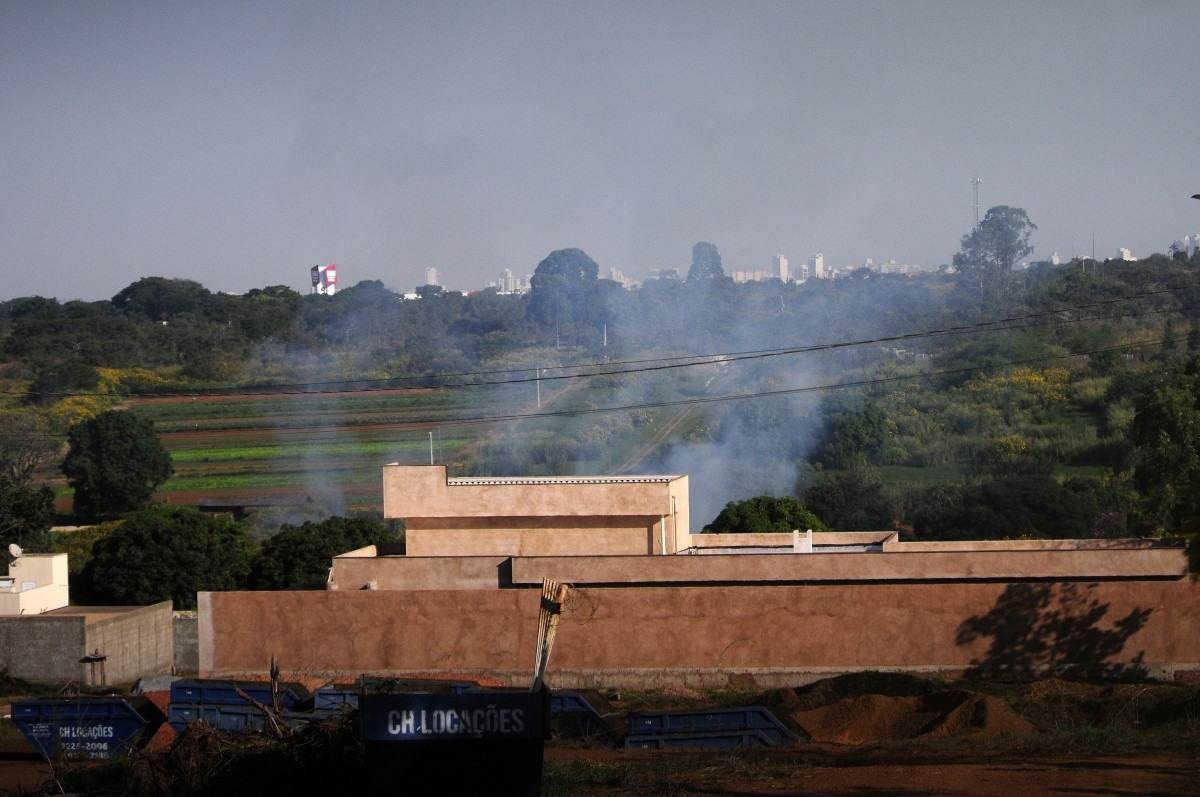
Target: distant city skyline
238 144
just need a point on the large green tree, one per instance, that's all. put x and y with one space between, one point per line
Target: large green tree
852 436
853 500
1165 434
997 245
706 263
764 513
562 289
26 511
115 462
168 553
298 557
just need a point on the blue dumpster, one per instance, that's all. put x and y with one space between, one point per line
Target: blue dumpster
81 727
224 693
230 718
747 726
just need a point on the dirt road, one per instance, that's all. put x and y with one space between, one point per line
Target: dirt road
582 772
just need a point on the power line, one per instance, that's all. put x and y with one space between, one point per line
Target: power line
483 419
666 363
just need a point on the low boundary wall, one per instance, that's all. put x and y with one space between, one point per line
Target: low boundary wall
46 648
904 566
650 636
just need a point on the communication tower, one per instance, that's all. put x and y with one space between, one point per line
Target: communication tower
975 183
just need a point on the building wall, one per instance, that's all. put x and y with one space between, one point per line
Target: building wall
47 648
137 643
477 517
708 635
401 572
187 644
43 648
531 536
773 539
903 566
46 577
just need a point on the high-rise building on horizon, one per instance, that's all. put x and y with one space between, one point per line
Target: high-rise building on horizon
780 264
816 266
1124 253
324 279
432 277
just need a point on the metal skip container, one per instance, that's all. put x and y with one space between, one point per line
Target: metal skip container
82 728
475 742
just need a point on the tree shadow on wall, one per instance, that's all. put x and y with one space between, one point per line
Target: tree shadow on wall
1056 628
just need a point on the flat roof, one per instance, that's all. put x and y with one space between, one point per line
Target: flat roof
90 614
466 481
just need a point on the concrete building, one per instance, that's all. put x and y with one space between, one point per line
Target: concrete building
93 645
1125 254
780 267
621 515
432 277
754 275
324 279
816 266
654 605
36 583
44 640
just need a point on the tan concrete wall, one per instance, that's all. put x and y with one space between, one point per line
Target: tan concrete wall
402 572
138 643
425 491
483 517
43 648
784 539
47 648
1028 545
967 565
531 536
646 636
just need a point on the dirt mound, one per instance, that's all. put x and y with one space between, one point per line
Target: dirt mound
892 684
872 707
980 715
882 718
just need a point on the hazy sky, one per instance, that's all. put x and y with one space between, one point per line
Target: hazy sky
240 143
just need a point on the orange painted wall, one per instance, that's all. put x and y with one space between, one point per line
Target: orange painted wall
659 635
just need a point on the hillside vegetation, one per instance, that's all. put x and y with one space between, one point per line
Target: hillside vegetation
981 402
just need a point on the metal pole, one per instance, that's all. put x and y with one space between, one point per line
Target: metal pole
431 448
539 388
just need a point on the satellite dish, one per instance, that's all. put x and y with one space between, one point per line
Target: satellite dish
14 550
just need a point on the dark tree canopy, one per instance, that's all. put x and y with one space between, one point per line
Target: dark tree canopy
706 263
168 553
26 513
298 556
1166 437
24 446
997 245
852 500
115 462
1010 507
852 437
764 513
562 289
58 377
160 298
